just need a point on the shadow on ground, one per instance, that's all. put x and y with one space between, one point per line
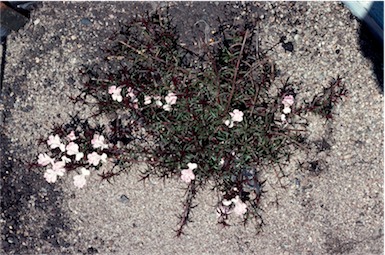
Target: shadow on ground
32 219
373 49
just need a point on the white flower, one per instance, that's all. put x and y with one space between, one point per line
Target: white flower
57 169
286 110
236 116
287 102
44 159
54 142
130 93
229 123
72 149
240 207
187 175
226 202
80 180
115 93
158 102
50 176
103 157
167 107
147 100
98 142
283 117
94 158
71 136
171 98
65 159
79 156
192 166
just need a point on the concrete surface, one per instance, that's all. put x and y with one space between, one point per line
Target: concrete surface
336 210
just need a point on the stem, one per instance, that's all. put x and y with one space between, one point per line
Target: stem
184 218
236 71
255 96
149 56
291 139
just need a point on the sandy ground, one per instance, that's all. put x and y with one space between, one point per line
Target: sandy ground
336 210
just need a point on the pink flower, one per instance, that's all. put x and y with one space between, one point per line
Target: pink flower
72 148
115 93
187 174
94 158
44 159
171 98
98 142
80 180
240 207
288 100
147 100
71 136
54 142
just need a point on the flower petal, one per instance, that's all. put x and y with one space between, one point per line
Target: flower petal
192 166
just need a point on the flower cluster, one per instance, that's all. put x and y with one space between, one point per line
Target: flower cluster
69 152
170 100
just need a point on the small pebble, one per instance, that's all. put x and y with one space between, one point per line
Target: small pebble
124 199
85 21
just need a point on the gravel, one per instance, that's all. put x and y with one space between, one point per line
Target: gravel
332 205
